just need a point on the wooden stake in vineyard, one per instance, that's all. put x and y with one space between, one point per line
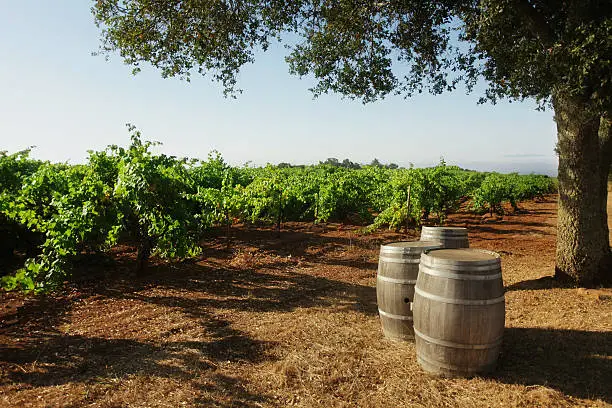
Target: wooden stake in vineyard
228 225
280 213
408 209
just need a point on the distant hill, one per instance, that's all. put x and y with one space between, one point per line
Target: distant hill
511 166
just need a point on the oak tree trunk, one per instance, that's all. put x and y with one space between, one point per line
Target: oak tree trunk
585 152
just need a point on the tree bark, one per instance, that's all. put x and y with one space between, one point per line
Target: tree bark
584 147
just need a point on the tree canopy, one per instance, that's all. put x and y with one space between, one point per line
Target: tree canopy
368 49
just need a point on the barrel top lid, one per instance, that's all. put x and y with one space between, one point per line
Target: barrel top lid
413 244
463 254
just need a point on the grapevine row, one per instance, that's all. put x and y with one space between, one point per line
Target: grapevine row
162 205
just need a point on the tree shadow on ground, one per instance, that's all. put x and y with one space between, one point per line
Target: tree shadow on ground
543 283
276 287
505 229
41 355
30 314
297 238
229 392
274 284
35 352
574 362
311 247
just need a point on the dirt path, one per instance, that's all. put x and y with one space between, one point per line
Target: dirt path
293 322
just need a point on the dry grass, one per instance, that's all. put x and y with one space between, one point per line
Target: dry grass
293 322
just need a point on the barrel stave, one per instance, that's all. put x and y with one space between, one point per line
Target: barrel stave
459 324
448 362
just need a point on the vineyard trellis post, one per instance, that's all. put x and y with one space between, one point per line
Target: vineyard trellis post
408 208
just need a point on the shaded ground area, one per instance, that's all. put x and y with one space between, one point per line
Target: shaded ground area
292 321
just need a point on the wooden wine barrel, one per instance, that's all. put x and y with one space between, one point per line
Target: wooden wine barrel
459 311
449 237
398 267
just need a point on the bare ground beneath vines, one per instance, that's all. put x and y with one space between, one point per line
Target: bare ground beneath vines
272 322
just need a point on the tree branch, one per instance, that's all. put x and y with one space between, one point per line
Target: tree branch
535 21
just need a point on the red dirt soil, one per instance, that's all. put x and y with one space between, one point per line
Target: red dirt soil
272 322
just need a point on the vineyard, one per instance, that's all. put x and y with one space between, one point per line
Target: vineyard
158 281
134 278
292 320
52 214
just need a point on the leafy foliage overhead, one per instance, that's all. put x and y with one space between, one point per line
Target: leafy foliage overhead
367 49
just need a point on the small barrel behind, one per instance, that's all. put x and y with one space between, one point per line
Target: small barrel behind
449 237
398 267
459 311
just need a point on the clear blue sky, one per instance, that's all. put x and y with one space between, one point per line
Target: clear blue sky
55 95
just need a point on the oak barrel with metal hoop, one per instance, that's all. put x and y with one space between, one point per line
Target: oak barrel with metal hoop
398 267
449 237
459 311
